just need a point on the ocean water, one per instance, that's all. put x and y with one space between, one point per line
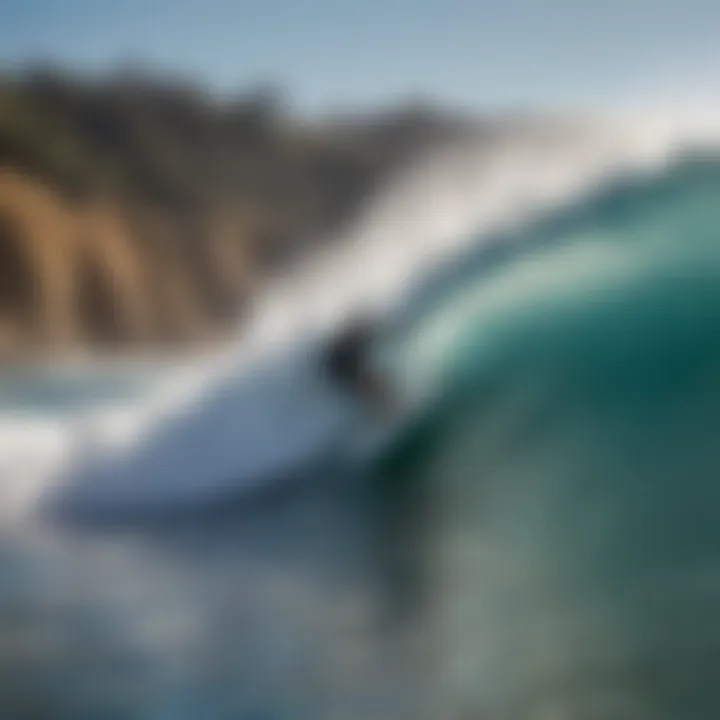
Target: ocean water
573 460
540 542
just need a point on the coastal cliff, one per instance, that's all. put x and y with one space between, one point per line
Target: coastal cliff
144 212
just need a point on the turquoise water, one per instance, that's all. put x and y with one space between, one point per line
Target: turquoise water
573 457
541 542
52 391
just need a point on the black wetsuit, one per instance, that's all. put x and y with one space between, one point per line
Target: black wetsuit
347 363
345 359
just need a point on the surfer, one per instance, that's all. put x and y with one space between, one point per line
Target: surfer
346 362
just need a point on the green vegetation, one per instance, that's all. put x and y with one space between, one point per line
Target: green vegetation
185 181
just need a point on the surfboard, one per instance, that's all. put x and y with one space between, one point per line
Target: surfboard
279 422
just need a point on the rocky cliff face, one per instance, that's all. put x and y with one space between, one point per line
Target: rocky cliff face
101 273
136 212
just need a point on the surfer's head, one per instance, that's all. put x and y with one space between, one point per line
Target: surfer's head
345 357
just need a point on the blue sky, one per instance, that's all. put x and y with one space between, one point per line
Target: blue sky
477 53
